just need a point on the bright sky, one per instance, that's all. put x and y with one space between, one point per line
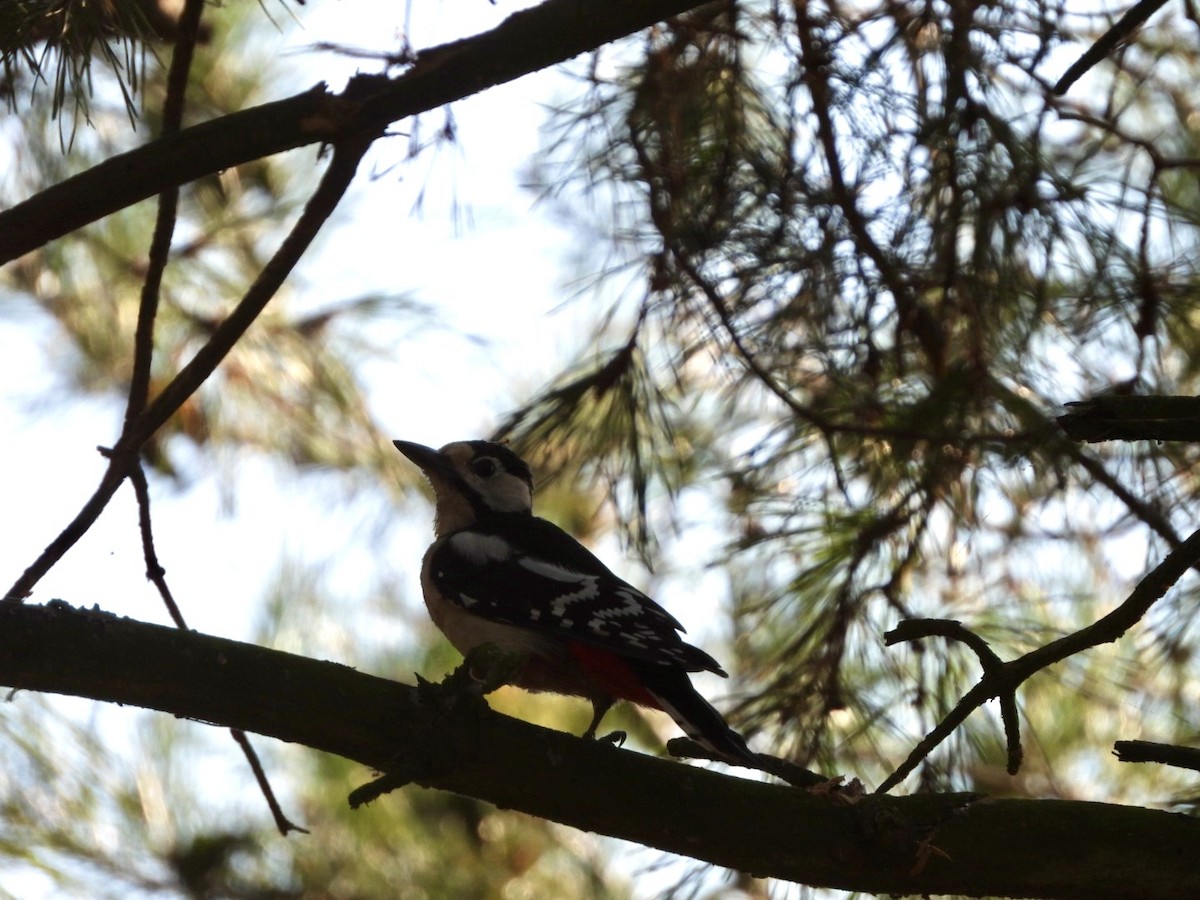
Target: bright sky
500 276
498 273
497 276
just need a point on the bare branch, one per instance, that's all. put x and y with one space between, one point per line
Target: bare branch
1150 751
525 42
1133 418
877 845
285 825
1006 678
168 205
916 629
155 573
124 456
1127 25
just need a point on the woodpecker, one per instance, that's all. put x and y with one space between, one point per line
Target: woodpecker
497 573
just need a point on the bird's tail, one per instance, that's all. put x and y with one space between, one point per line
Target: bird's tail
673 691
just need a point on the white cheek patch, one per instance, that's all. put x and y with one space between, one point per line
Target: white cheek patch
505 493
480 549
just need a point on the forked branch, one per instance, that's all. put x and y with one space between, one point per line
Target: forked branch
1002 679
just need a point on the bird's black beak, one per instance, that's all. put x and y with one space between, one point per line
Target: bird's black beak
428 460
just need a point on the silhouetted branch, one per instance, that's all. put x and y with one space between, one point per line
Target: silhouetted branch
797 776
1005 678
925 844
1149 751
1130 22
916 629
168 204
525 42
124 456
1138 418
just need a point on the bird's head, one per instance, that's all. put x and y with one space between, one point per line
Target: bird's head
472 479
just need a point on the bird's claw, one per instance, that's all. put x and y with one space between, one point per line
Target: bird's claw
484 669
616 738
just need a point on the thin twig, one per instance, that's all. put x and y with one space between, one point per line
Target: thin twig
282 822
785 770
1009 676
1128 23
75 529
951 629
1151 751
155 573
124 456
159 253
916 629
157 576
168 205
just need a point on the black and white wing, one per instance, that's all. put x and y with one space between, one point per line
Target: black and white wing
525 571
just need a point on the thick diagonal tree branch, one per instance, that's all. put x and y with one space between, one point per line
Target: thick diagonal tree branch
925 844
525 42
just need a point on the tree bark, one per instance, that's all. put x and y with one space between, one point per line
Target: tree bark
924 844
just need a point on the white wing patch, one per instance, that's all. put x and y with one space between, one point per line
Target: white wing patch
480 549
632 604
551 570
588 585
499 579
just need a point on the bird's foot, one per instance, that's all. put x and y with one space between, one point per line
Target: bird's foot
488 667
616 738
484 669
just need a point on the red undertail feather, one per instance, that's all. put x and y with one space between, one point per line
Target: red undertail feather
665 688
612 674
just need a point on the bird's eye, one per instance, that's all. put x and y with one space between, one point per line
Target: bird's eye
485 467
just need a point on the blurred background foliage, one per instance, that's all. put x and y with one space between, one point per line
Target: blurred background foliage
846 261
